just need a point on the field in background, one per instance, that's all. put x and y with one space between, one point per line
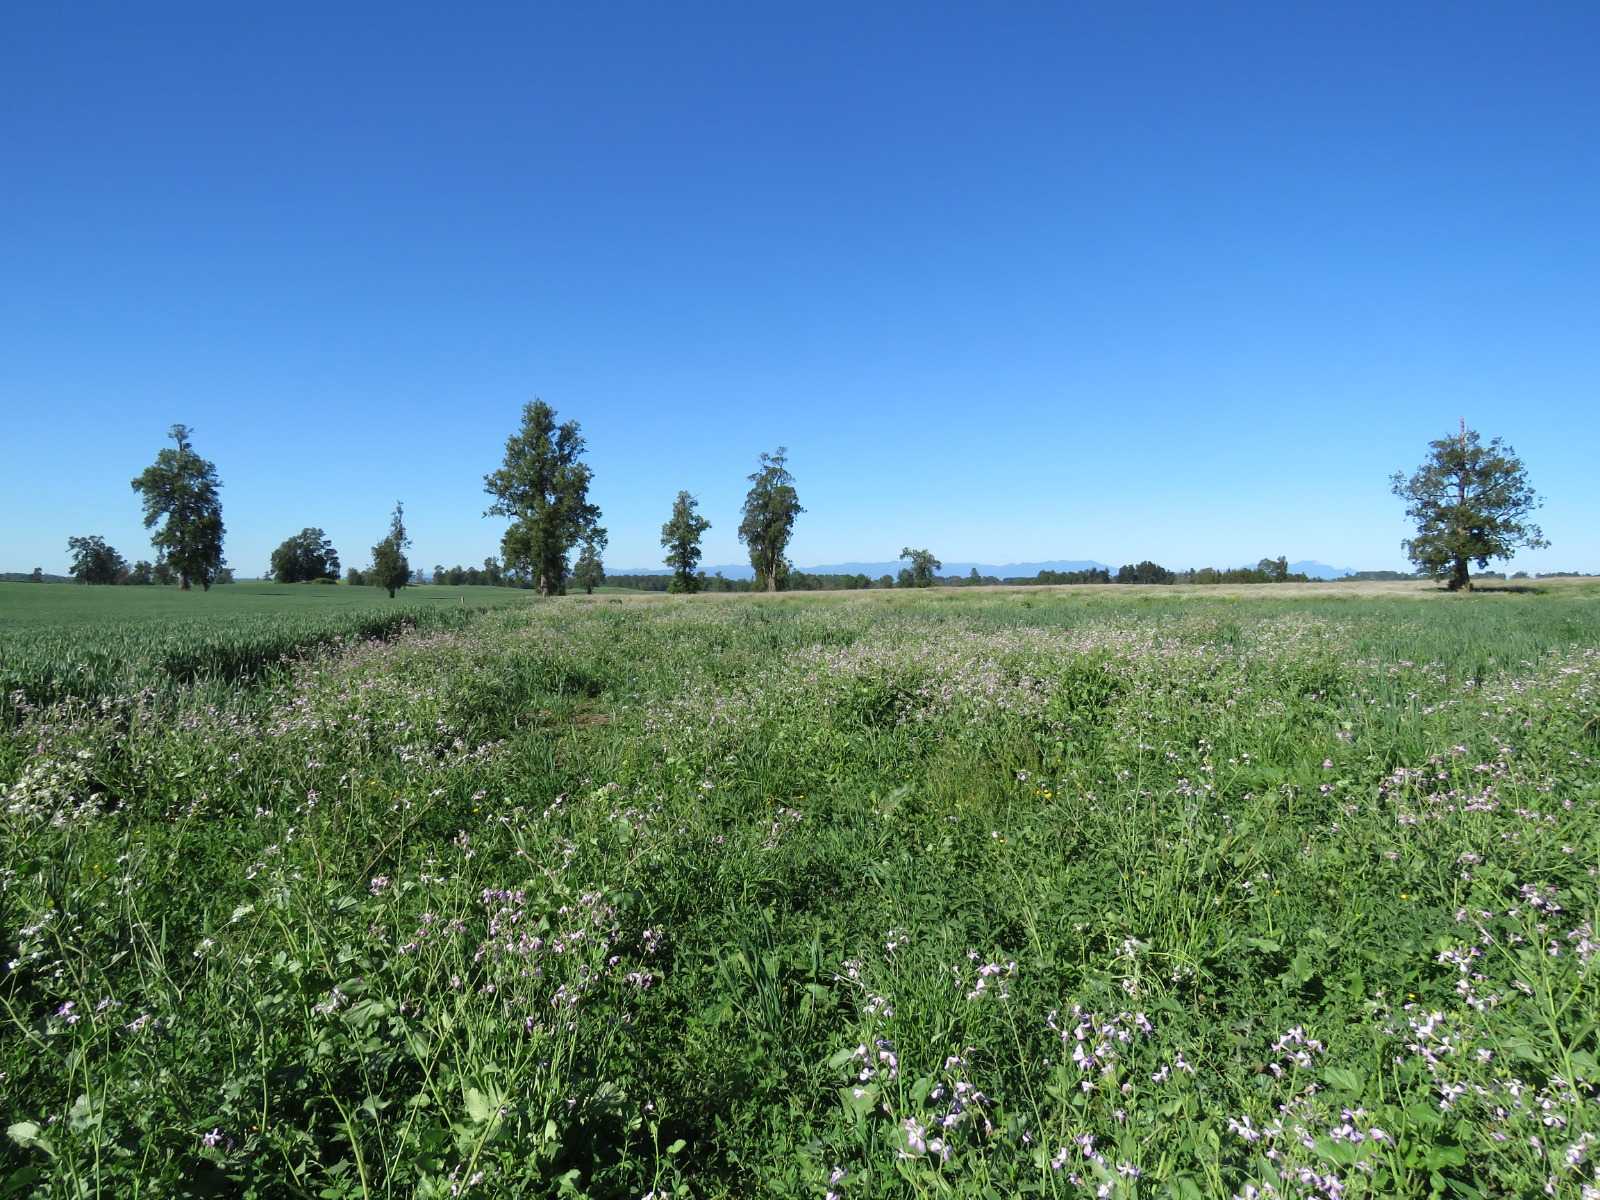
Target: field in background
35 604
1257 891
62 640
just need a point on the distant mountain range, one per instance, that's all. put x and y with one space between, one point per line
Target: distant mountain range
1319 570
873 570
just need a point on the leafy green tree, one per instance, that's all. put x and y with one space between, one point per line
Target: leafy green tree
590 571
920 572
95 562
355 577
37 576
182 487
1471 503
770 509
1145 572
142 574
390 569
1274 570
306 556
544 488
680 537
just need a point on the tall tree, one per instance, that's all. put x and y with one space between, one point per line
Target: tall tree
306 556
182 487
680 536
920 572
1471 503
544 488
770 509
37 576
390 569
590 571
95 562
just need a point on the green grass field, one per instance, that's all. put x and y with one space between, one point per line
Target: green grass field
62 640
55 604
1033 892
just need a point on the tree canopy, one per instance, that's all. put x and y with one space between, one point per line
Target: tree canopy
544 488
182 487
920 572
306 556
95 562
390 568
590 571
770 509
1471 503
680 536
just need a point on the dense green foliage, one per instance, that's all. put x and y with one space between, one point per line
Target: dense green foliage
680 537
305 557
770 509
590 570
921 569
390 568
544 488
1471 503
912 894
180 492
93 561
489 575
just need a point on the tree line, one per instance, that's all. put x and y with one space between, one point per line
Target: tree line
1470 502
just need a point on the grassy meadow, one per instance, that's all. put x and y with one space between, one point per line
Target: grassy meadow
1114 892
64 640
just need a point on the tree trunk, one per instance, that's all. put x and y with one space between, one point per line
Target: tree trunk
772 581
1460 580
183 583
391 593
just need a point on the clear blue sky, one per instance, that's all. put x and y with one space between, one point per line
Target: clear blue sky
1011 281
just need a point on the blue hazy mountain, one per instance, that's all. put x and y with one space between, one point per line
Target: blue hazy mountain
1319 570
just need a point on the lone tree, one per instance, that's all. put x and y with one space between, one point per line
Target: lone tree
920 572
681 538
95 562
308 555
389 566
544 489
182 487
589 571
1471 503
770 508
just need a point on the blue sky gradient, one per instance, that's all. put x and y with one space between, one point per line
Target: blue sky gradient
1013 282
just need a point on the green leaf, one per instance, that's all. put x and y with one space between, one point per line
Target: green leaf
1344 1079
24 1133
479 1106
